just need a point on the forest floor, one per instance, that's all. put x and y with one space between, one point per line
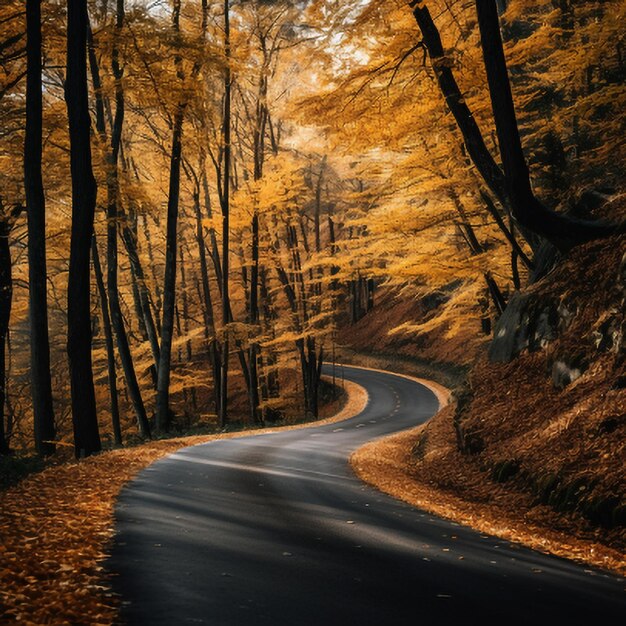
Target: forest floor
56 526
565 491
467 497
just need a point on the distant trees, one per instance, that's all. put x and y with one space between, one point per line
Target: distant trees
400 106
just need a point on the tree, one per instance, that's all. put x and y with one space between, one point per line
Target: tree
113 213
225 207
41 386
84 190
511 187
169 282
563 231
108 338
7 221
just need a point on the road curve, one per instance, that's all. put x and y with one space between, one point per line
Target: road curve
275 529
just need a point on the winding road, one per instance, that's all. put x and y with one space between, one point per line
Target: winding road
275 529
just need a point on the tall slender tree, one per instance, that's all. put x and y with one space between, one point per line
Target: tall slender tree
84 191
169 282
225 206
108 340
7 220
41 386
113 212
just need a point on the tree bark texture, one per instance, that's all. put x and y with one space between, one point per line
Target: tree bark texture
225 206
41 386
207 301
473 138
108 339
563 231
169 282
6 297
84 190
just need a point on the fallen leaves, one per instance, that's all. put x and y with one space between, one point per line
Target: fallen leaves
460 494
55 527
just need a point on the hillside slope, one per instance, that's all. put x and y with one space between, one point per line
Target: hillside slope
536 436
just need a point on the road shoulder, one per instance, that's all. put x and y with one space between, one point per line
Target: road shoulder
393 466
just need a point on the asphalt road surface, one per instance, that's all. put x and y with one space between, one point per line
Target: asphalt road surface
275 529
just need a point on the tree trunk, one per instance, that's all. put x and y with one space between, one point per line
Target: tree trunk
253 351
6 297
108 338
84 417
207 303
113 215
225 206
474 142
477 248
214 251
318 205
169 282
130 243
41 386
562 231
185 321
272 386
113 199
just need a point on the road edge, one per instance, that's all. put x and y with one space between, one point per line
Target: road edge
385 463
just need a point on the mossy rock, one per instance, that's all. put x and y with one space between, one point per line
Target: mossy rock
608 512
504 470
545 486
419 449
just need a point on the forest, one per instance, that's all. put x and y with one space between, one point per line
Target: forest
234 233
251 174
202 203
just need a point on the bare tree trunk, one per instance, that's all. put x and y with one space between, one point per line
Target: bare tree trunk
272 386
169 282
318 205
158 299
129 238
6 298
41 386
477 248
185 321
84 190
108 338
474 142
214 249
225 206
207 301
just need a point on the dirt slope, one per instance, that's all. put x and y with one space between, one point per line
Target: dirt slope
533 448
